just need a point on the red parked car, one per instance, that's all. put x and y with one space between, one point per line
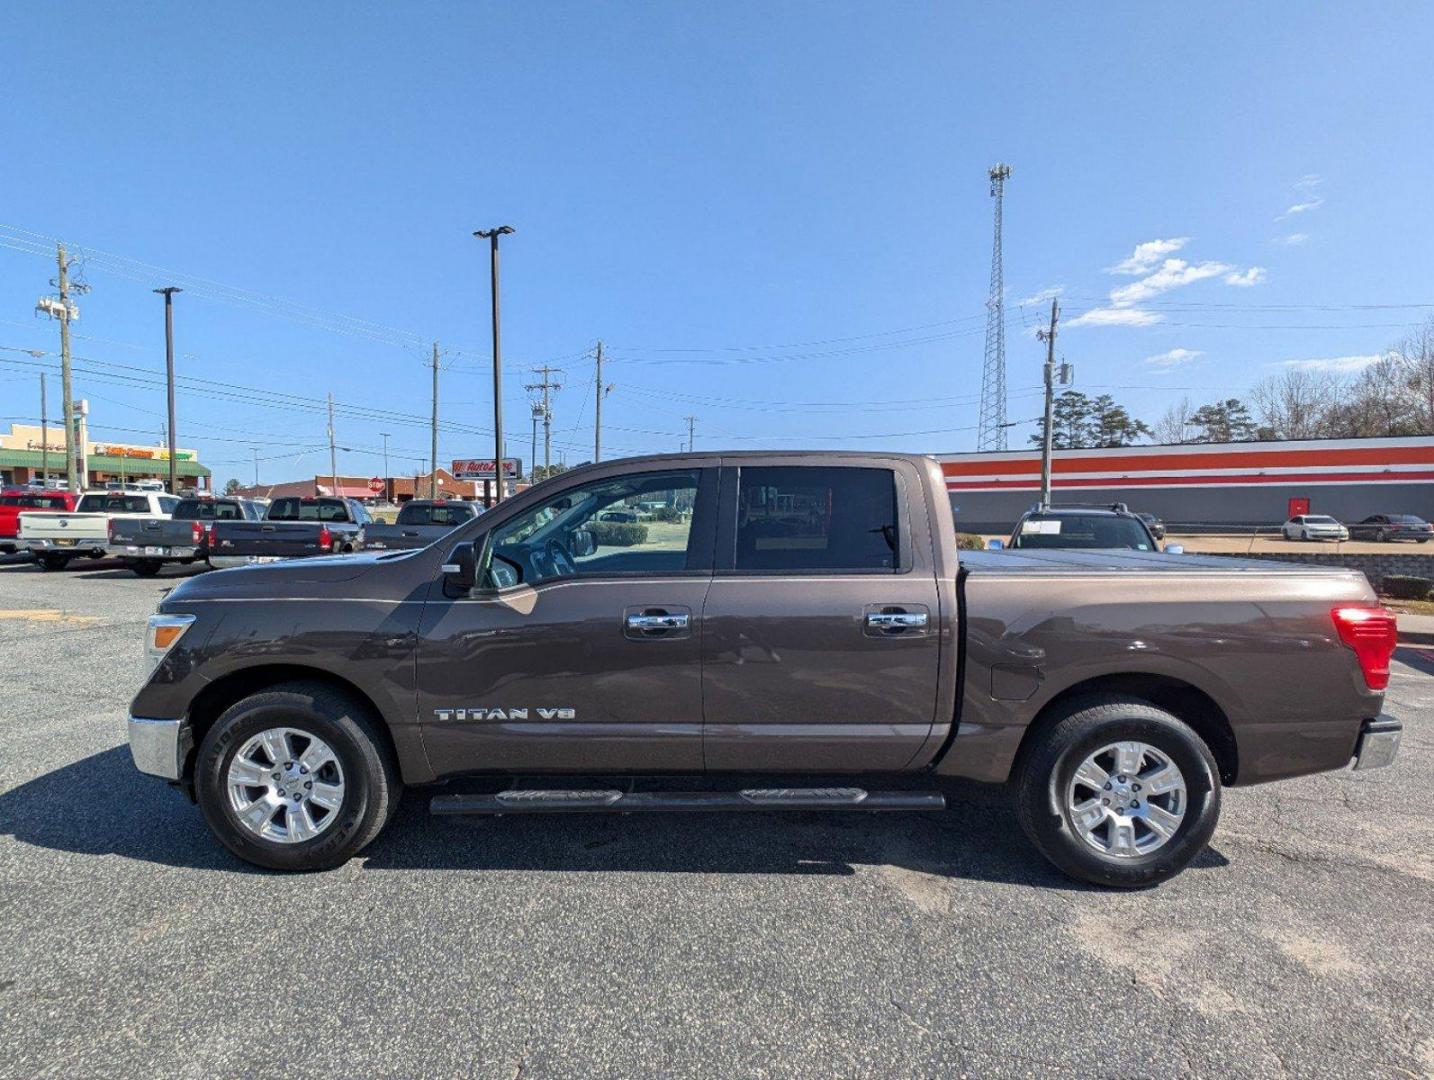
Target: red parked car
20 500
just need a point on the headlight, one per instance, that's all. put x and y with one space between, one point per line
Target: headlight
161 635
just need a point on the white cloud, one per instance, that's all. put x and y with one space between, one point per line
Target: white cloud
1342 364
1116 316
1252 275
1309 200
1044 295
1294 239
1145 256
1302 207
1173 273
1173 358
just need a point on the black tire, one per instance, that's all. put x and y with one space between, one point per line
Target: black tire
1083 728
1379 536
51 562
94 555
372 786
145 567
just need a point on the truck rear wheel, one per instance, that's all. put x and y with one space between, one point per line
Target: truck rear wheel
1117 792
145 567
51 561
296 778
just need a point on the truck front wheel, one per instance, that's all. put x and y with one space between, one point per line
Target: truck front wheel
296 778
145 567
1117 792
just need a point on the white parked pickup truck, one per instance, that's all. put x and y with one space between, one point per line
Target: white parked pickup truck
55 539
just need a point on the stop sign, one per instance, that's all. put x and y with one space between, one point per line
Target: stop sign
376 485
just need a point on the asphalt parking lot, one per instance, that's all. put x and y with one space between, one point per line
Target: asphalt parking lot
783 946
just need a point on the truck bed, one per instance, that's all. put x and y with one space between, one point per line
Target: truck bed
1070 561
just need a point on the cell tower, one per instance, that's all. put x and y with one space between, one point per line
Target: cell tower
991 434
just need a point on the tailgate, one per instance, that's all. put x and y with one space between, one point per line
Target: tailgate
275 539
64 527
152 532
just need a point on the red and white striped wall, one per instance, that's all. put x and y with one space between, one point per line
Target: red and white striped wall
1223 482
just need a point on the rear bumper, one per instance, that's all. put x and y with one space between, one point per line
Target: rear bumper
80 544
1378 743
222 562
137 551
159 747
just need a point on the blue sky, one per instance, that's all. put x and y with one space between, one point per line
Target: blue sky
774 215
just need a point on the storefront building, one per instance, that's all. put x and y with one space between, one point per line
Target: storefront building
30 455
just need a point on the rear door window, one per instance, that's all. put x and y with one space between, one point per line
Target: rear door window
802 518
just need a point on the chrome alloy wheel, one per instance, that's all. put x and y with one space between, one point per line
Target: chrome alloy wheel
1127 799
285 785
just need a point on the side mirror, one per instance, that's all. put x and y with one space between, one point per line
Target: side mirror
994 544
582 544
1174 549
461 569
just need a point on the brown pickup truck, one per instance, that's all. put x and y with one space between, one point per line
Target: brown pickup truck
756 632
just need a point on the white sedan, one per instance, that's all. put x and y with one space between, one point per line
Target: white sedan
1313 527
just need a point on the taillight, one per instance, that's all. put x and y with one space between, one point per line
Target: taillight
326 539
196 531
110 530
1372 633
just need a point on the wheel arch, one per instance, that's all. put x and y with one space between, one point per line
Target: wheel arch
1181 699
212 702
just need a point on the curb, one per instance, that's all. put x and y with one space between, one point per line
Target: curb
1415 637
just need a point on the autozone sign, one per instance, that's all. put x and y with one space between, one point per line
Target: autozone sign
482 469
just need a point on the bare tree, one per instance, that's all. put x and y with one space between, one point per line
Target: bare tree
1416 359
1298 403
1174 424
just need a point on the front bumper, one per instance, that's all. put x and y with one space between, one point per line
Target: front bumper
159 747
1378 743
151 551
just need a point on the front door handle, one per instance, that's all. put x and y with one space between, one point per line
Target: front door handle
649 623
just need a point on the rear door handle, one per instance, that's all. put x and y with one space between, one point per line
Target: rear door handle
657 622
896 620
904 620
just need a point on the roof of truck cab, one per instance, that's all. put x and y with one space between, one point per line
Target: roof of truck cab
1084 560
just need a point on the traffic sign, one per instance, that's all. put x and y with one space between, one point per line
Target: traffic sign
376 485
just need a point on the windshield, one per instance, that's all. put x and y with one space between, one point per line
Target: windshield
308 510
1081 531
207 510
1405 519
113 504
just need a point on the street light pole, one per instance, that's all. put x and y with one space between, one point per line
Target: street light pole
491 235
168 293
1049 337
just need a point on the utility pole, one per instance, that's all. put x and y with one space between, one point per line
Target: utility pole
433 476
44 435
386 483
991 432
72 477
333 454
168 293
533 451
602 392
256 465
546 386
491 235
691 425
1048 435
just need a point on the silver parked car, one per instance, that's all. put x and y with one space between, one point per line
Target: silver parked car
1313 527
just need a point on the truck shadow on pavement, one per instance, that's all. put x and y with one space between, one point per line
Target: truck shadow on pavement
101 806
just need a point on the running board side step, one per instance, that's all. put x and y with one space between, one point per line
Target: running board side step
605 801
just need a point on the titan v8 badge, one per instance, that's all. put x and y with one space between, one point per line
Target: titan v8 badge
481 713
